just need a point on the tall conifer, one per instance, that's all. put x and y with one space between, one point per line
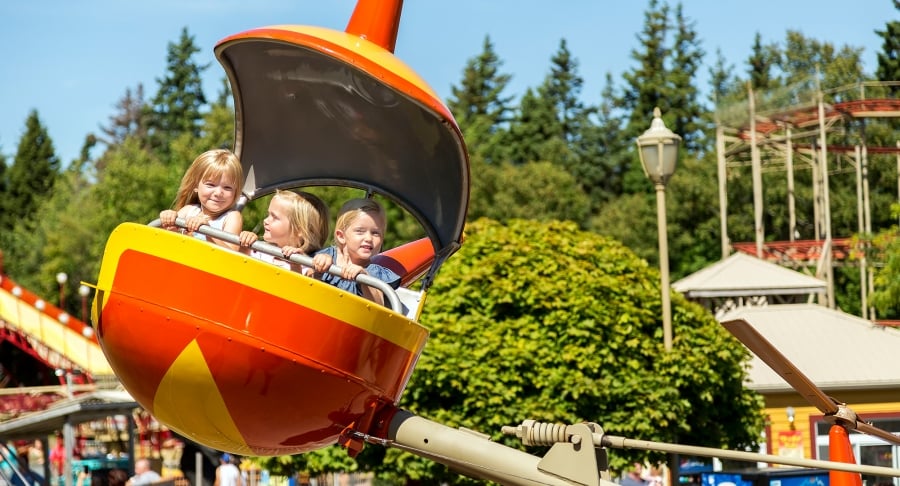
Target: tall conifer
480 107
889 57
31 176
176 108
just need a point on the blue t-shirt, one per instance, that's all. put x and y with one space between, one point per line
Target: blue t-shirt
373 269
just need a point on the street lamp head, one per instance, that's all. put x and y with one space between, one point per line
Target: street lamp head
84 290
61 278
658 148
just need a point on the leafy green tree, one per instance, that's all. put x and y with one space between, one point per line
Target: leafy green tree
56 240
692 219
535 190
31 176
134 186
479 105
885 247
538 320
177 107
631 219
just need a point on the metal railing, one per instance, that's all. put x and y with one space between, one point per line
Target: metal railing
390 295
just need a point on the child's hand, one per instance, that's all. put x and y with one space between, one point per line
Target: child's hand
195 222
322 262
287 251
248 238
167 218
351 270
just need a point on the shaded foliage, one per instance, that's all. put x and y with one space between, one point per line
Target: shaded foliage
540 320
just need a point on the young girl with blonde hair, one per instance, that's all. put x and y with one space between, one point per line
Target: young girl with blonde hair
209 189
358 236
296 222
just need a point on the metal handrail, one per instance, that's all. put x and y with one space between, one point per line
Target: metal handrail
389 293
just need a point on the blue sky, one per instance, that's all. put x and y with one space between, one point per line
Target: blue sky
73 60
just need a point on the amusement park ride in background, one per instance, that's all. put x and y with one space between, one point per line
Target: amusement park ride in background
203 337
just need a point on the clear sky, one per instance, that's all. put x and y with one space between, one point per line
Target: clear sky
73 60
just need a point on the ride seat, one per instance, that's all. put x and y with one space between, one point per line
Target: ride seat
410 261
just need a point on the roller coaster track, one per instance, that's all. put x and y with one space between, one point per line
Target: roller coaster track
808 115
52 337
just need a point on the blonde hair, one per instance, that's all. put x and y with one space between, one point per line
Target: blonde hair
318 232
355 207
211 164
308 222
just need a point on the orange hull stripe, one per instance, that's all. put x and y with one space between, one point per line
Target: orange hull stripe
248 273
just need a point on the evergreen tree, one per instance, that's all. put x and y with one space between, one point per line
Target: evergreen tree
84 155
721 80
480 93
177 107
551 120
479 106
562 90
889 57
760 64
646 87
31 176
3 183
686 109
535 133
223 97
130 119
604 152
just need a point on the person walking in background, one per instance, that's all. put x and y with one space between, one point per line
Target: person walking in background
228 474
143 474
633 477
207 194
36 459
57 457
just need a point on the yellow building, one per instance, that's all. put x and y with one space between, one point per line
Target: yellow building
848 358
